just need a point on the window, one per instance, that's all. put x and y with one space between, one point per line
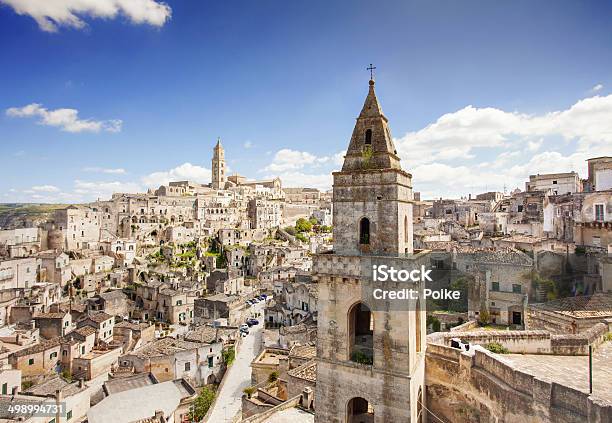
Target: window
210 361
364 231
4 389
599 213
516 288
520 208
554 182
187 366
52 355
368 137
494 286
30 362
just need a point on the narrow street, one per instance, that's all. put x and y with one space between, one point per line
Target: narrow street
238 376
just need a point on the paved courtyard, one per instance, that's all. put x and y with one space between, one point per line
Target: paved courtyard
572 371
292 415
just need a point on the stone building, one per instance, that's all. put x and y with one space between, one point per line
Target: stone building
358 338
19 273
80 226
169 359
56 265
555 183
302 195
54 324
600 174
265 214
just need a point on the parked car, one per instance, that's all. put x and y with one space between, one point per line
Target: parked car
244 328
252 322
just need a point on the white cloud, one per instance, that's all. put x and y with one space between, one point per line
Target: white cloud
112 171
66 119
456 136
247 144
91 190
45 188
186 171
597 88
535 145
322 181
291 160
303 169
51 14
286 159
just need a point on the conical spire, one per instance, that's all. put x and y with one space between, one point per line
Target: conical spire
371 145
218 146
371 106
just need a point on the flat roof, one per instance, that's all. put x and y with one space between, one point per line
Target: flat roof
572 371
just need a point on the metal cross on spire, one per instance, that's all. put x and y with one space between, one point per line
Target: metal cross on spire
371 69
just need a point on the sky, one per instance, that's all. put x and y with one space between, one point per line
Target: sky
103 96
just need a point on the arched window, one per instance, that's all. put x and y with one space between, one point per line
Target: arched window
368 137
361 334
364 231
406 229
359 410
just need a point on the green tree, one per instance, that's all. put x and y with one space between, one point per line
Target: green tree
303 225
273 377
249 391
434 322
325 228
497 348
201 404
291 230
229 355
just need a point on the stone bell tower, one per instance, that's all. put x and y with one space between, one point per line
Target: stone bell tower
218 167
370 355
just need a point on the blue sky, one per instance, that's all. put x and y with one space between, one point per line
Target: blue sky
99 96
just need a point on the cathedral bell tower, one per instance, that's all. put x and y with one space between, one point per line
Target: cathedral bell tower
218 167
370 354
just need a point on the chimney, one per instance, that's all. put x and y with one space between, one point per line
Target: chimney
307 397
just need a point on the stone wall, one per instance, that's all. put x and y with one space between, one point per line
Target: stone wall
478 387
529 341
516 341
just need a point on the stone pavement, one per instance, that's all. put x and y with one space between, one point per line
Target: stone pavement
238 377
572 371
292 415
